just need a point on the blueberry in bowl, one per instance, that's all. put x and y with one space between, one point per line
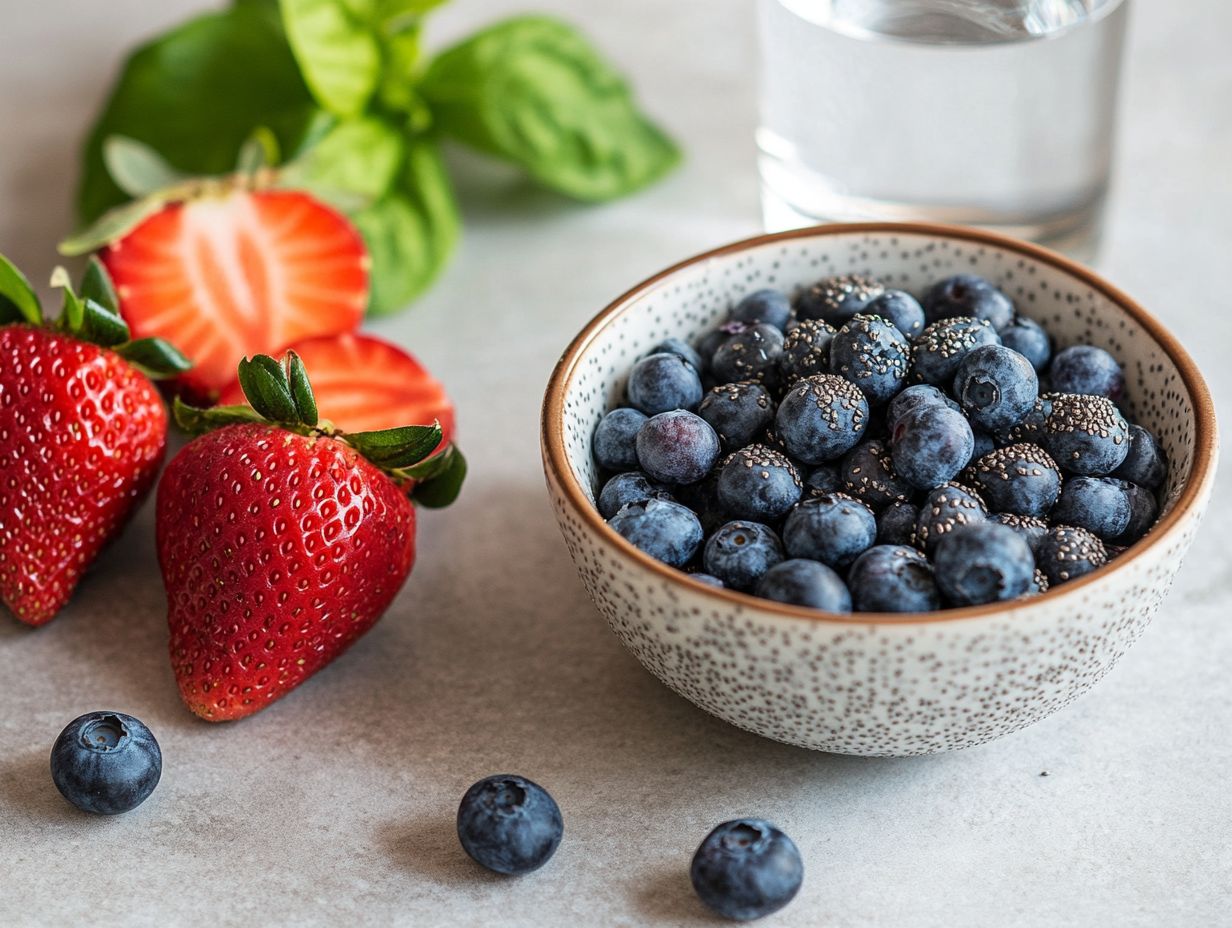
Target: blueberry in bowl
903 616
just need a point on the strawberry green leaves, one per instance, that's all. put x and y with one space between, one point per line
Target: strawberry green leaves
279 393
92 315
18 301
533 91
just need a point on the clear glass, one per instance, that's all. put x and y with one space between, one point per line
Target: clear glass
995 113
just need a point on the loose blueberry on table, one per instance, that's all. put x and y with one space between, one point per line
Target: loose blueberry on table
862 448
509 824
747 869
106 763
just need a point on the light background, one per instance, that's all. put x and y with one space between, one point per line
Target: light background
335 806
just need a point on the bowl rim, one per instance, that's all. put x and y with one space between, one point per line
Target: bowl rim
556 462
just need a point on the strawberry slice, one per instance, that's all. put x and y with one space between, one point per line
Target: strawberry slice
363 383
231 275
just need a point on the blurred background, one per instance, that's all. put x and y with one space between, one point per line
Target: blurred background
1131 826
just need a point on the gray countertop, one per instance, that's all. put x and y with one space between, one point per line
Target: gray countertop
335 806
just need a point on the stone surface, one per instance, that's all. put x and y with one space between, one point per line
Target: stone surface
336 805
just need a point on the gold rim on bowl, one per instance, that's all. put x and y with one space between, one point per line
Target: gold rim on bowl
1201 467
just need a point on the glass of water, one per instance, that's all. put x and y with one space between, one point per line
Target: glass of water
995 113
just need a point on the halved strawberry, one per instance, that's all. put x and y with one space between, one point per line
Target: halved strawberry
363 383
234 273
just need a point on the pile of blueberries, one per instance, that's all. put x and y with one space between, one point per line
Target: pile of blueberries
861 449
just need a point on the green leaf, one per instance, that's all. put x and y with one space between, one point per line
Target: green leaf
197 421
265 384
137 168
100 325
443 485
194 94
154 357
18 301
258 151
112 225
96 285
357 157
411 232
336 50
301 390
72 312
397 448
533 91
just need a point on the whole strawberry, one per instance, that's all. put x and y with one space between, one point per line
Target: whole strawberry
82 434
283 539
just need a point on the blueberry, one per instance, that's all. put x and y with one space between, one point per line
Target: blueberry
920 394
749 355
703 498
1031 528
837 299
1086 435
615 443
1143 510
740 552
769 306
758 483
1019 478
821 418
629 487
1145 463
984 443
943 511
709 343
967 295
939 349
996 387
681 349
833 529
665 530
1098 504
509 824
896 524
663 382
739 412
801 582
806 350
746 869
893 578
1031 427
1068 552
824 478
677 447
1028 338
873 355
106 763
867 472
1088 370
900 309
930 445
983 563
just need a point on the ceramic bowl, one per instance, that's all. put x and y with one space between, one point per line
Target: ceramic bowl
866 683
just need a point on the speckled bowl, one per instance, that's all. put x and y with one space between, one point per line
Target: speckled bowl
877 684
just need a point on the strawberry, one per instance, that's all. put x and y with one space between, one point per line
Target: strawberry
82 435
363 383
226 266
283 539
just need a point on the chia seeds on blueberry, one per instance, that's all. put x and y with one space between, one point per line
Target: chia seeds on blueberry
1067 553
837 299
939 349
1020 479
749 355
872 354
806 351
821 418
738 412
758 483
1085 435
944 510
1031 528
867 473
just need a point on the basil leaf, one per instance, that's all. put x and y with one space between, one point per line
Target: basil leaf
533 91
357 157
18 301
336 51
195 94
411 231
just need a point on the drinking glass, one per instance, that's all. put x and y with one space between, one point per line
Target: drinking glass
994 113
